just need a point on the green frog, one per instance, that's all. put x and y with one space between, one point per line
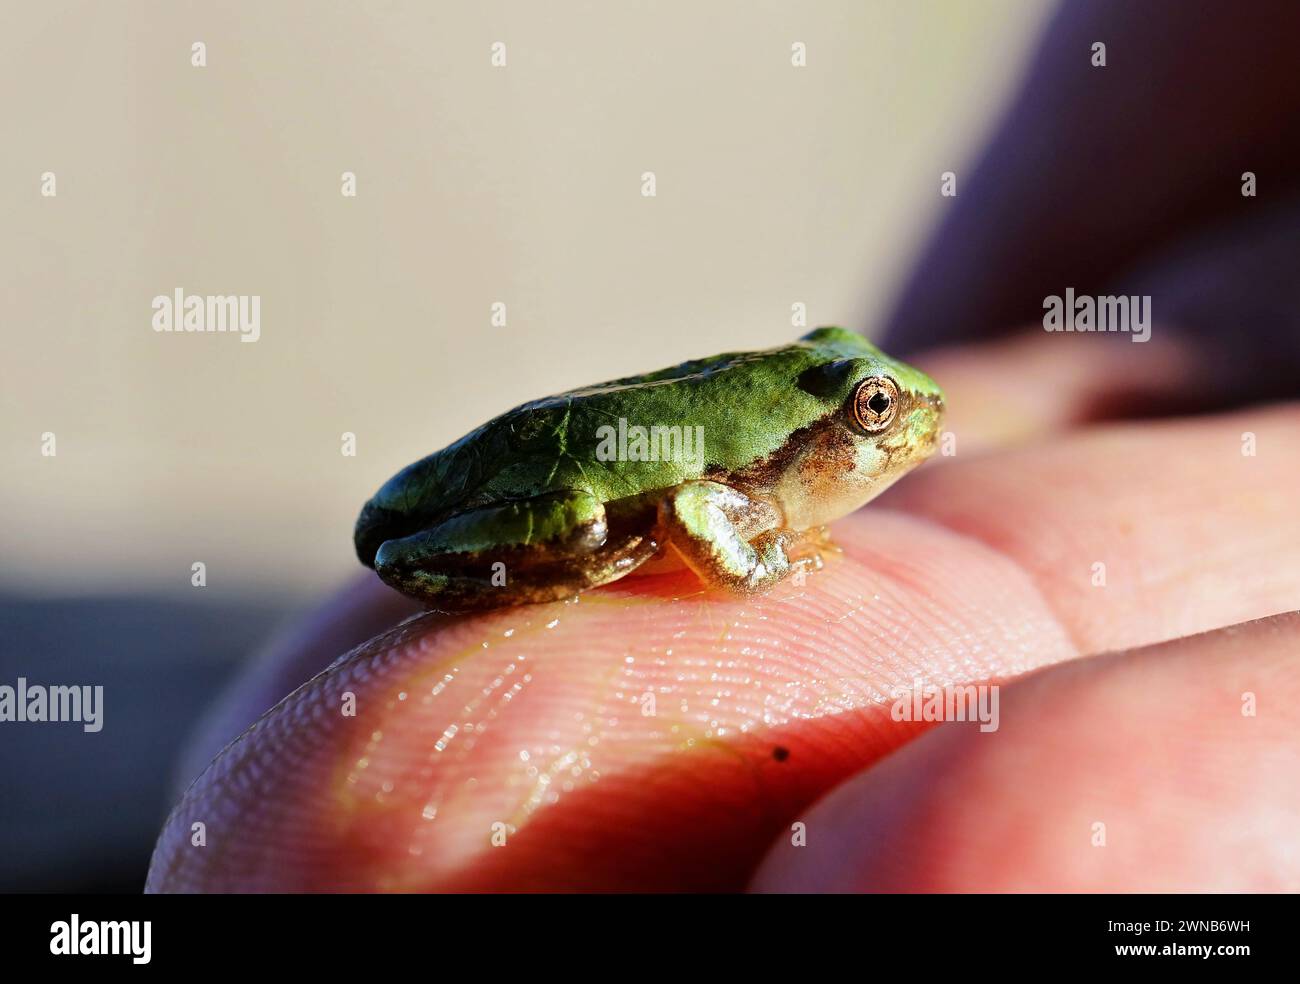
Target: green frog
730 466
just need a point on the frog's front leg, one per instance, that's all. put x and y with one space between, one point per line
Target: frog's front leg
726 537
543 548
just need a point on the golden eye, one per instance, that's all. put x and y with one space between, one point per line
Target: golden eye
875 404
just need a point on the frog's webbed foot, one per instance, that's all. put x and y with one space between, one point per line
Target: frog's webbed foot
729 539
545 548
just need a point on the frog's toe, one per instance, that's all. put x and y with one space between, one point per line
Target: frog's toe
376 526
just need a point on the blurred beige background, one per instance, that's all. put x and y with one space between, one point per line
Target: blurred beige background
475 185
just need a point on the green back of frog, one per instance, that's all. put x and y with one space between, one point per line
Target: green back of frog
744 406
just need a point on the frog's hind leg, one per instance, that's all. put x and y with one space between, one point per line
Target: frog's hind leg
544 548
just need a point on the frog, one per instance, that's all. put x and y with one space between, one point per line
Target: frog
730 466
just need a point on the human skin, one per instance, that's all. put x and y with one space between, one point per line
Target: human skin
979 568
1135 771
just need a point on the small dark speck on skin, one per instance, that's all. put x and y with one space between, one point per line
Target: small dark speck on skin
780 753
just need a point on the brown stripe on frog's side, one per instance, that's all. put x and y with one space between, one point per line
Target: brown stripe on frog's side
821 451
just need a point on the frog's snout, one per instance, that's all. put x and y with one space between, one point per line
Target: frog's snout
376 526
932 408
935 403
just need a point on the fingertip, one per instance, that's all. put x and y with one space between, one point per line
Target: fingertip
1132 772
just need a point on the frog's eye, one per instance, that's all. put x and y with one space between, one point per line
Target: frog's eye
875 403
